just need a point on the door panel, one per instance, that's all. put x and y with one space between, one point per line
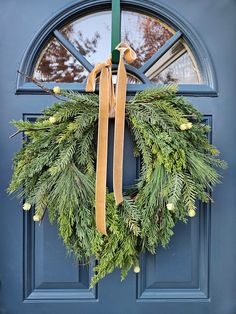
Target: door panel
181 270
49 273
196 273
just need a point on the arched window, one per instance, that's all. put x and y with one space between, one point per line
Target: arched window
76 42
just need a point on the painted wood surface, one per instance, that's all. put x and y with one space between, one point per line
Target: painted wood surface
196 273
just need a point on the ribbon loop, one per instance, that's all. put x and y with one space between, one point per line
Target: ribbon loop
110 105
91 81
129 53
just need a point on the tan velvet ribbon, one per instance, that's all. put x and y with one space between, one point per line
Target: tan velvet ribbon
110 105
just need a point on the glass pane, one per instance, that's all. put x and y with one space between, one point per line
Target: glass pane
145 34
131 79
56 64
91 35
181 71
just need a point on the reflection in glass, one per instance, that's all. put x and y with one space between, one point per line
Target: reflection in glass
131 79
145 34
91 35
56 64
181 71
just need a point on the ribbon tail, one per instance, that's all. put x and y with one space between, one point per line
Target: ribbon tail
101 171
119 132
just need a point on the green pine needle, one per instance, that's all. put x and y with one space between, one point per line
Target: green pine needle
55 170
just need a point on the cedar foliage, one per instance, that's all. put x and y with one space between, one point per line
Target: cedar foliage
56 169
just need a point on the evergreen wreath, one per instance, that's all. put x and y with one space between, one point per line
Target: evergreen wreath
55 170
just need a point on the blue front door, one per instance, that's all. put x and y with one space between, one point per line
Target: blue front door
188 43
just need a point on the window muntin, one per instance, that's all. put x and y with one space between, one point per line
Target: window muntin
91 36
56 64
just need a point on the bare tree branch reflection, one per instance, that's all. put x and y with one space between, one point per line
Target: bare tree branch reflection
58 65
146 36
91 37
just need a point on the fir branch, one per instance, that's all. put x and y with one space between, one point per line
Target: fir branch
55 170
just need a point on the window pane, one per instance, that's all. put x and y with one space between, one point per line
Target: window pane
181 71
131 79
145 34
91 35
56 64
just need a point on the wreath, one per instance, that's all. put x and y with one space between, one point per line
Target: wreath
55 170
